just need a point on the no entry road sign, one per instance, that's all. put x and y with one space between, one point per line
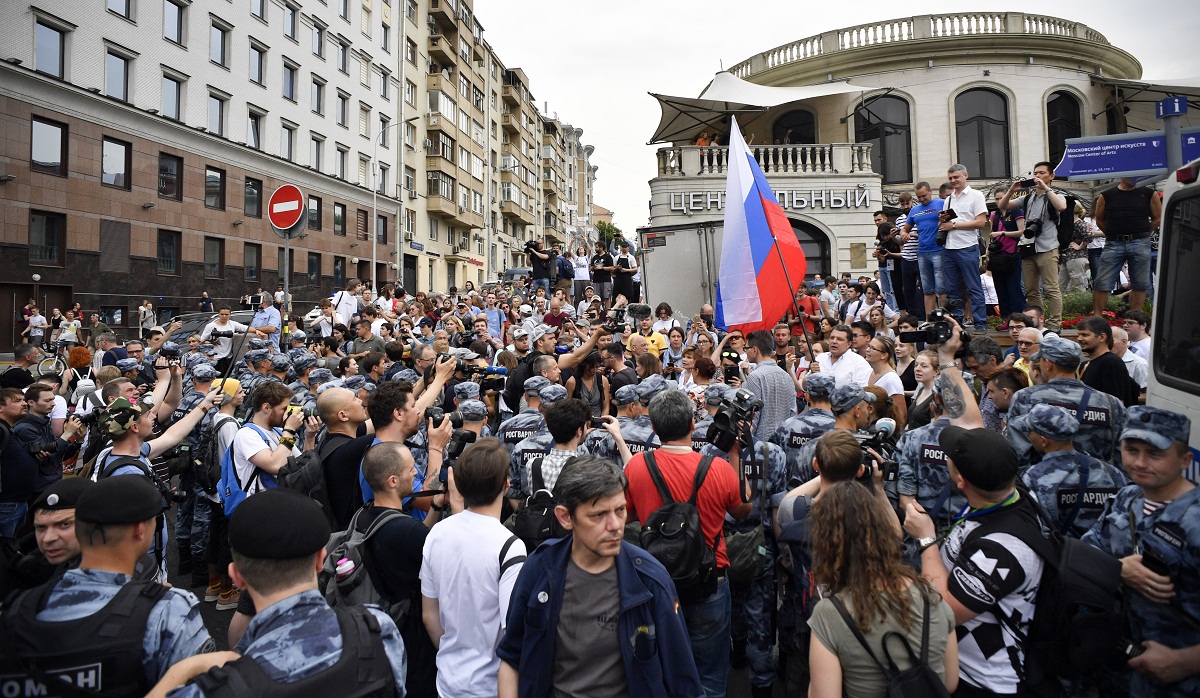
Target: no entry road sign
286 207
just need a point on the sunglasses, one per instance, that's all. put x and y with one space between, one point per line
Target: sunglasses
1027 344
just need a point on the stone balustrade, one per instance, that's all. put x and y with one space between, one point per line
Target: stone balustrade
811 158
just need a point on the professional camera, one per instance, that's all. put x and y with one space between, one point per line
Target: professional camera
477 370
459 440
492 385
307 411
438 415
224 334
937 330
946 215
877 437
170 350
615 322
726 427
1033 228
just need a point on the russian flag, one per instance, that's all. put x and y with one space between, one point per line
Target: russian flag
753 292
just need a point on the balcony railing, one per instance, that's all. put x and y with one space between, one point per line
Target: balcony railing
827 158
918 27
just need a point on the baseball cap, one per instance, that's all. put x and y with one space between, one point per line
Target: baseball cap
1051 421
982 456
1059 351
1158 427
520 333
846 397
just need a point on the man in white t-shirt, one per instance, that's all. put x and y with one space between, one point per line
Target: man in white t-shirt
846 366
224 345
37 328
345 302
68 331
960 261
261 448
468 570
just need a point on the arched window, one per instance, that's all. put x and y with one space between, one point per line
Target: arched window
1062 121
981 117
801 123
883 122
815 244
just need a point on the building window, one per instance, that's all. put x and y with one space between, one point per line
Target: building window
343 109
410 221
289 81
339 272
385 35
339 219
170 177
1063 121
169 252
981 120
258 8
314 213
360 225
47 238
251 260
796 126
218 45
410 51
289 21
410 10
317 94
364 121
116 76
214 258
343 58
883 122
48 151
381 229
171 93
117 163
410 93
252 204
254 124
287 142
318 40
441 184
344 9
258 64
410 135
343 155
384 122
173 21
216 115
315 145
364 170
410 179
433 231
364 21
214 188
385 80
120 7
314 268
383 180
50 50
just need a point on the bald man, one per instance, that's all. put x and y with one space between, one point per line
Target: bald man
342 450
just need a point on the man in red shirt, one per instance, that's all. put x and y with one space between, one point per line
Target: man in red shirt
708 621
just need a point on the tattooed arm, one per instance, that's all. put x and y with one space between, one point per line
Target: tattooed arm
957 398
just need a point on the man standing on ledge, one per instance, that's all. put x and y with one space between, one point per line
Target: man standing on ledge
960 261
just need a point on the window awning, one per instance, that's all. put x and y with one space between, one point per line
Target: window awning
683 117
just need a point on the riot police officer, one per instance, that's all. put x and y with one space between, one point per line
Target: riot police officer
714 394
795 432
536 445
629 408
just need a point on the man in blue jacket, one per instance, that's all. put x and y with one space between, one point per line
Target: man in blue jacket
589 614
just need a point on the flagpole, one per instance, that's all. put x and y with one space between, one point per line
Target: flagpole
795 305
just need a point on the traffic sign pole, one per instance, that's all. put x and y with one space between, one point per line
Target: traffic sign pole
1171 110
286 212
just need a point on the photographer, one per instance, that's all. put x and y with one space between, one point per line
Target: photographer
1039 267
887 251
626 266
602 267
223 328
540 264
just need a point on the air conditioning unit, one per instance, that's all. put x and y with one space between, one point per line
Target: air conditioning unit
433 121
493 199
412 193
408 237
462 209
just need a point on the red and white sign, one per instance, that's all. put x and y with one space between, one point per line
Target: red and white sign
286 207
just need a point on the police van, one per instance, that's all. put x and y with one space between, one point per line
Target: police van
1175 330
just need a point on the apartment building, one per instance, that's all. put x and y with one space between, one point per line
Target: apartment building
144 135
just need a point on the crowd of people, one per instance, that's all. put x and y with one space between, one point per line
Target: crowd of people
556 490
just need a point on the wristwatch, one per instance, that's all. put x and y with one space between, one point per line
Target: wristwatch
923 543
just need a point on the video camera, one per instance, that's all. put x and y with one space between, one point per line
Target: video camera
937 330
726 428
615 322
224 334
459 440
876 438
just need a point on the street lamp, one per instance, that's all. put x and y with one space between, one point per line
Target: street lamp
374 228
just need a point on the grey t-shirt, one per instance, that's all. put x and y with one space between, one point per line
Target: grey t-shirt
587 654
861 677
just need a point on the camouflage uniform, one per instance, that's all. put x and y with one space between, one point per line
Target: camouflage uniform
174 631
1171 534
524 453
639 436
520 426
794 437
192 514
700 433
300 637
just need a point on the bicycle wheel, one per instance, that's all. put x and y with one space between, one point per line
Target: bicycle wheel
51 365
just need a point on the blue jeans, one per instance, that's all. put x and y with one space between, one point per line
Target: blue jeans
933 275
544 283
961 268
1094 264
708 626
910 274
1115 254
1010 292
885 285
12 515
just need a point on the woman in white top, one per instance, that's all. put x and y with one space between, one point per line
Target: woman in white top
881 354
664 318
877 319
583 277
871 299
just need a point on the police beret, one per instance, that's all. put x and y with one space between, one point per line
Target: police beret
298 336
467 390
552 393
820 385
303 362
124 499
319 375
1059 351
407 375
255 356
127 365
625 395
278 524
204 372
258 343
192 360
280 362
650 386
170 347
846 397
63 494
982 456
473 410
714 393
1051 421
535 384
1158 427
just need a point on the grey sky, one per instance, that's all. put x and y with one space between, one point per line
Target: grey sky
594 61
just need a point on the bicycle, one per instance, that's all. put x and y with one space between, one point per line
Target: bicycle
54 364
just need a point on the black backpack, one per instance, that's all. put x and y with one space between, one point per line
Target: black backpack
796 553
535 522
919 680
306 474
1080 614
206 460
361 671
672 534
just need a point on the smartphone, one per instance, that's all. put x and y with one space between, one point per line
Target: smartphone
598 422
1029 183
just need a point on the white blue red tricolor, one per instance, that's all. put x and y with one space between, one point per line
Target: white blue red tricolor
753 292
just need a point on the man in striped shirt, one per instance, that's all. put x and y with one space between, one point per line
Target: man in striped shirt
910 269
